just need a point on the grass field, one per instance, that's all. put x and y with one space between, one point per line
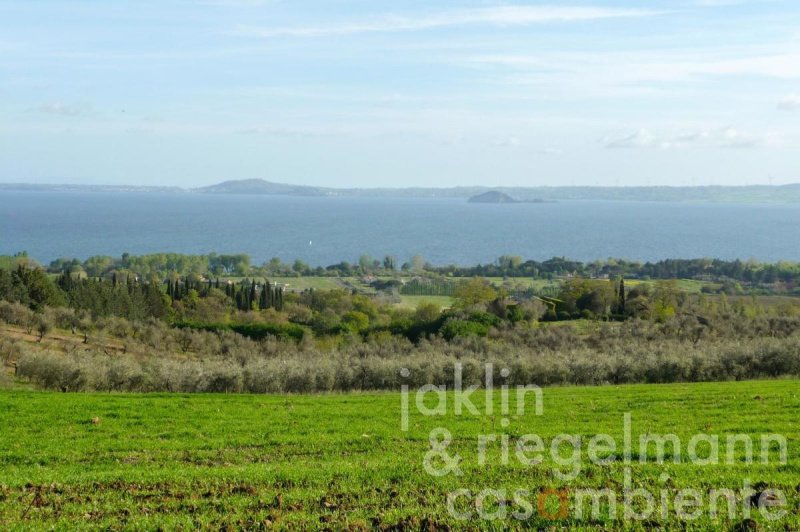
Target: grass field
690 286
414 301
342 461
685 285
333 283
524 282
298 284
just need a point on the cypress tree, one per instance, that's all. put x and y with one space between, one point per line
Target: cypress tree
621 295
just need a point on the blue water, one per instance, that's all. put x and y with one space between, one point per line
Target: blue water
323 231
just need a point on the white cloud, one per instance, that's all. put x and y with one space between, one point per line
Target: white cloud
638 139
789 103
507 142
495 16
278 131
718 3
631 68
730 137
234 3
726 137
725 3
65 109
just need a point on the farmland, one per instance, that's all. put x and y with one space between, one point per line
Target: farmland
158 433
342 461
412 302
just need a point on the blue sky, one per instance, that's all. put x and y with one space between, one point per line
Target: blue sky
401 93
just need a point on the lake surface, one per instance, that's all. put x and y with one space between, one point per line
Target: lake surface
323 231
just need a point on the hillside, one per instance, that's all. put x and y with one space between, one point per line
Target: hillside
723 194
260 186
493 196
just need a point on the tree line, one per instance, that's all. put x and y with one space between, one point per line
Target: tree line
165 265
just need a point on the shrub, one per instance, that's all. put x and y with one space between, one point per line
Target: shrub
43 326
15 314
9 350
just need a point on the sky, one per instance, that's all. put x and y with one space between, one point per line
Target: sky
376 93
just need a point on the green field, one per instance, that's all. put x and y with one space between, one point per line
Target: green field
690 286
524 282
298 284
414 301
342 461
685 285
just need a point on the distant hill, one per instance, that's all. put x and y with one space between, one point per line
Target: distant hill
493 196
260 186
35 187
728 194
722 194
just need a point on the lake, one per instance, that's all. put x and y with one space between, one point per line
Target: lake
327 230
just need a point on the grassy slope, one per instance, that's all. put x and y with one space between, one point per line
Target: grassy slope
413 302
337 460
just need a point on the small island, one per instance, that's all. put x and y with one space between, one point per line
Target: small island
493 196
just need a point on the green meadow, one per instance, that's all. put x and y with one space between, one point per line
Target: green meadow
412 302
120 461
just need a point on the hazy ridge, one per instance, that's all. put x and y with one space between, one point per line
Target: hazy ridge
748 193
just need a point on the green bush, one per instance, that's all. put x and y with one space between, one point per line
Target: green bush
254 331
454 327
